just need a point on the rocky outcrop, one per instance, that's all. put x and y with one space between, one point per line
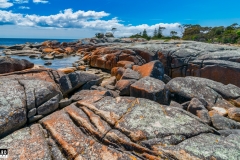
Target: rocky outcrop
10 65
164 118
26 97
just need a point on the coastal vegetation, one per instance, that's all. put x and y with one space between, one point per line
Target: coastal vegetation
218 34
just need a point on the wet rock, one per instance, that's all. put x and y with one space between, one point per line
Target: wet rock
59 56
34 56
234 113
10 65
47 63
48 57
153 69
150 88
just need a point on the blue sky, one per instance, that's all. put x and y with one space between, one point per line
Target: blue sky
83 18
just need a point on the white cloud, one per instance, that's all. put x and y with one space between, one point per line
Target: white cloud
90 20
20 1
5 4
24 7
40 1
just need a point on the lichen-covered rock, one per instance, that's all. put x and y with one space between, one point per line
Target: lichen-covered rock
12 106
74 142
214 93
22 94
153 69
150 88
27 143
208 146
222 123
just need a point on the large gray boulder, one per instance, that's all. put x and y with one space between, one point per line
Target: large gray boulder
12 106
26 97
150 88
10 65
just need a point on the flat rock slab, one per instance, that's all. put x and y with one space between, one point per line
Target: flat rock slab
208 146
27 143
148 120
76 143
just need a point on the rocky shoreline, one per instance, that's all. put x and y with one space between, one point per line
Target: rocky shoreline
123 99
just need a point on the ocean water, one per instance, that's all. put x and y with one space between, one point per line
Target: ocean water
56 63
14 41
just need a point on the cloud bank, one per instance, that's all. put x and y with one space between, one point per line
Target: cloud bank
82 20
5 4
40 1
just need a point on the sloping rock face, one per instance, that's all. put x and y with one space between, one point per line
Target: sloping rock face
135 128
10 65
26 97
214 93
184 58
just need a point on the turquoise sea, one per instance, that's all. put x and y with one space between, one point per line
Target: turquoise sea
56 63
